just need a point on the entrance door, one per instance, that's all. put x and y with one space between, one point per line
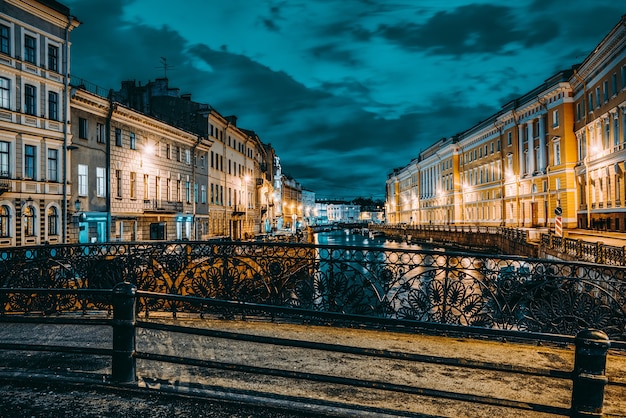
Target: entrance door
534 216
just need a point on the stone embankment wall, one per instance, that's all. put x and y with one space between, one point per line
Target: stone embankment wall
478 240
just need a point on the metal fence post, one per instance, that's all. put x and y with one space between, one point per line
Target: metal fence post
588 376
123 366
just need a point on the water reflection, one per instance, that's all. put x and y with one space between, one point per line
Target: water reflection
341 237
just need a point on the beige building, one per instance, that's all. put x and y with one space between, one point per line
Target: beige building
134 177
34 122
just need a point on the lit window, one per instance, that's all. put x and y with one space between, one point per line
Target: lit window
5 221
53 221
29 221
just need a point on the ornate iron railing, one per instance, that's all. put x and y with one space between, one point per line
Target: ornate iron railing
593 252
477 290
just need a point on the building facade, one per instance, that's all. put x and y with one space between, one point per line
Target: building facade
34 121
550 156
134 177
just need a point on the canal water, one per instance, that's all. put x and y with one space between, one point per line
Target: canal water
341 237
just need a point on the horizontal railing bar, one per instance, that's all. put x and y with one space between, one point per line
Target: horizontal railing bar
371 352
55 291
56 348
414 390
62 319
338 316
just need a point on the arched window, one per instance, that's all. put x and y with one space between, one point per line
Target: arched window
29 221
5 221
53 221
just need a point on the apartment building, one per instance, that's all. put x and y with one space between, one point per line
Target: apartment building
554 152
134 177
34 129
238 180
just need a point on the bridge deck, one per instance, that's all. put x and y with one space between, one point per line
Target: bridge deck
283 392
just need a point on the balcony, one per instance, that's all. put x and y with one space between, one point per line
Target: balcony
239 210
5 185
162 206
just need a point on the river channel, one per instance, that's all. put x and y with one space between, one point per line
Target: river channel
342 238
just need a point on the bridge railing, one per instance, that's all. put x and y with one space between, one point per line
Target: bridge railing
587 376
432 288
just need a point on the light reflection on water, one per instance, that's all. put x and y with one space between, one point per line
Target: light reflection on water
340 237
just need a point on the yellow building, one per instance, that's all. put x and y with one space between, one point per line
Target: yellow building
559 151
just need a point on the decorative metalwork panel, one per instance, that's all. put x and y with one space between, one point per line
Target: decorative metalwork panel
431 286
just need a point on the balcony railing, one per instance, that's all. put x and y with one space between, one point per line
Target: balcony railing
162 206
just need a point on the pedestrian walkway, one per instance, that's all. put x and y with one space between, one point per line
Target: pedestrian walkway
616 239
298 396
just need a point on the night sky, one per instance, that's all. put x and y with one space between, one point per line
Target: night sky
344 90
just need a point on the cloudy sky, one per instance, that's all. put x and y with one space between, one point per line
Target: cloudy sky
344 90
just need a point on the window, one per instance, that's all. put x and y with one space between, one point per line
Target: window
509 138
203 193
624 77
555 118
168 190
5 159
100 133
30 100
118 137
53 58
5 221
614 83
82 179
557 153
133 185
30 49
100 182
178 186
53 165
29 221
5 40
53 221
605 86
118 183
188 156
5 93
598 99
177 153
53 105
196 195
30 158
133 140
82 128
590 101
168 151
188 192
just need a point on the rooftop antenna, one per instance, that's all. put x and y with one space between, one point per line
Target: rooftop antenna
165 66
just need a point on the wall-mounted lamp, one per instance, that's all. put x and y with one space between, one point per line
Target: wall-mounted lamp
77 205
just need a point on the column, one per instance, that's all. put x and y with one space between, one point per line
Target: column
531 148
520 137
542 145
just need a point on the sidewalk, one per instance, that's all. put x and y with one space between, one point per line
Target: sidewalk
294 397
616 239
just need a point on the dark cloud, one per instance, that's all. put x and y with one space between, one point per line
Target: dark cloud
468 30
319 93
